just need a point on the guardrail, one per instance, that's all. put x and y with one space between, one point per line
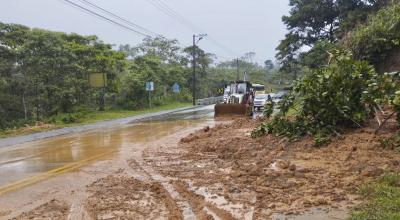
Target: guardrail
210 101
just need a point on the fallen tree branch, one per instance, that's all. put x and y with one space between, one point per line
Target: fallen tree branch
380 109
377 117
337 134
384 122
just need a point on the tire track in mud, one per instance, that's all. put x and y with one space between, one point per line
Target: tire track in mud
176 205
202 208
78 210
53 209
122 197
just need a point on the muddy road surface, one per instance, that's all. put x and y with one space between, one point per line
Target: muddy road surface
49 178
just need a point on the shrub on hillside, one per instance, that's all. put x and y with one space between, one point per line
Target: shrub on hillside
344 94
374 40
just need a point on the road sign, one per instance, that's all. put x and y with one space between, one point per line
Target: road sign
97 80
221 91
149 86
176 88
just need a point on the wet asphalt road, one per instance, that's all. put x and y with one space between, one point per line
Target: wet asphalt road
28 156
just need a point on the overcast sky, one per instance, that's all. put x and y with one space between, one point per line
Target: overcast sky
240 25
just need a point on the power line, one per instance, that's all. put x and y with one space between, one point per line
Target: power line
132 26
163 7
119 17
88 11
91 13
172 13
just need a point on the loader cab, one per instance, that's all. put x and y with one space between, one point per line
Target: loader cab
227 93
240 87
239 91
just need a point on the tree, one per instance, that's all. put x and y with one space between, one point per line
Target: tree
269 65
318 56
131 52
44 73
203 59
142 69
313 21
167 50
249 57
375 40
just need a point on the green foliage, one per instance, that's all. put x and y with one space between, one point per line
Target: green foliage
47 72
332 95
44 75
269 108
68 119
317 56
150 68
311 22
269 64
261 130
374 40
340 95
311 19
382 200
225 72
282 127
385 91
392 142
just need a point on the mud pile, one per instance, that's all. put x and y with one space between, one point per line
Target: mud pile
53 209
119 197
269 175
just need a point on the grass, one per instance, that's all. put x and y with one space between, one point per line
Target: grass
382 200
85 117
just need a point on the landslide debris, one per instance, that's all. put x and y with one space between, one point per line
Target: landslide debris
269 175
121 197
53 209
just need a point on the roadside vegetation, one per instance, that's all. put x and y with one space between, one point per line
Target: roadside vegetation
382 199
347 79
83 117
44 76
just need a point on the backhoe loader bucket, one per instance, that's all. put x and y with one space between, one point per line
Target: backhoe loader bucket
222 110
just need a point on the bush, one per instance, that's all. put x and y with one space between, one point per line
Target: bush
344 94
392 142
75 117
68 119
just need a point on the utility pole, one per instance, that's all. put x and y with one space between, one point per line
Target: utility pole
200 36
149 99
194 70
102 98
237 69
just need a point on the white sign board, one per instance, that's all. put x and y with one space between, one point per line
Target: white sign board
176 88
149 86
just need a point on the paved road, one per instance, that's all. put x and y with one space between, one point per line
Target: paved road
30 158
103 124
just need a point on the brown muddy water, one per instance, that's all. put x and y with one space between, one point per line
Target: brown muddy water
29 162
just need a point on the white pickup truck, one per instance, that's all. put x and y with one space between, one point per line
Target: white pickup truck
260 100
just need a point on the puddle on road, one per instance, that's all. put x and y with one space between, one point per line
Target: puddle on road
33 158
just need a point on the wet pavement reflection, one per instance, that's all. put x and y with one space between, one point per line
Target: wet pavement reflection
33 158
